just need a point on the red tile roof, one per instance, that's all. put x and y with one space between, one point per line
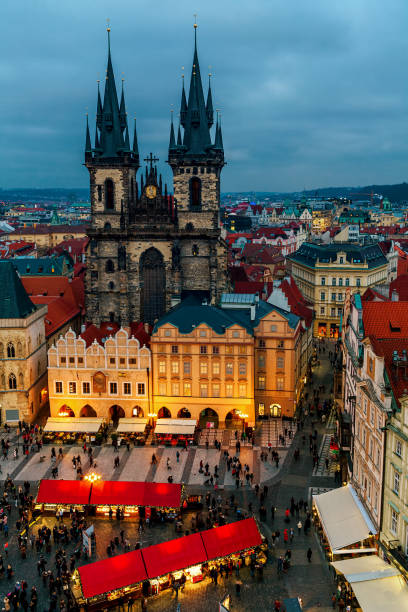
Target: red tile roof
385 319
385 348
106 329
298 304
400 285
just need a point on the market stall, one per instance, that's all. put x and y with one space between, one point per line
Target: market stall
132 430
185 559
69 430
175 432
107 496
374 584
342 523
58 495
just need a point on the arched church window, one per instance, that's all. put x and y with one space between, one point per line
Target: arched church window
11 351
109 194
153 282
107 227
109 266
12 381
99 193
111 286
195 193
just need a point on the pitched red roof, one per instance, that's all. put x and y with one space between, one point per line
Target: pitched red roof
385 319
400 285
371 295
106 329
385 348
261 253
298 304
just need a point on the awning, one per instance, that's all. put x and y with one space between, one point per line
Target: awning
343 518
112 573
231 538
376 584
73 425
131 425
121 493
64 492
176 426
174 555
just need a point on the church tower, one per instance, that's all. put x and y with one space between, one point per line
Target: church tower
149 249
196 162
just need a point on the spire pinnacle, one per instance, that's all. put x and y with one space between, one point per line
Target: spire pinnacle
172 144
218 144
135 146
209 106
88 146
179 141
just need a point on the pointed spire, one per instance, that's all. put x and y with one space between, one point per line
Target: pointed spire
179 141
135 146
172 144
209 106
218 135
183 106
127 142
122 108
88 146
99 108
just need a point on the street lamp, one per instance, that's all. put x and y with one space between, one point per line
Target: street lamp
92 477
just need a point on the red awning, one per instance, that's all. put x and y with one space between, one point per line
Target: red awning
112 573
231 538
174 555
154 494
64 492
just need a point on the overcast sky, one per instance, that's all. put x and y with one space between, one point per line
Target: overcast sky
312 93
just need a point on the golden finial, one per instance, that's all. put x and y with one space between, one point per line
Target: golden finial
108 25
195 20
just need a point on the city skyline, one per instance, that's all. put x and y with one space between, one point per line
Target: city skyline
309 97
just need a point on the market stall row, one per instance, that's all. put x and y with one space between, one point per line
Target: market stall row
63 430
106 496
150 570
175 432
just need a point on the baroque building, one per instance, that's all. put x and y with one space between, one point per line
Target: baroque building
148 249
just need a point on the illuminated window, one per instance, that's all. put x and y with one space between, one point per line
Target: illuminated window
242 390
261 409
187 389
174 367
229 368
280 383
242 369
216 368
203 368
216 390
261 382
187 367
72 387
175 389
140 388
203 390
162 367
229 390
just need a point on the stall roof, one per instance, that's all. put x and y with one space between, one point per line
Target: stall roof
73 425
376 584
174 555
175 426
231 538
64 492
132 425
343 518
121 493
112 573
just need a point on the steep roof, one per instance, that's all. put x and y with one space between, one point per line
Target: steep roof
386 348
44 266
14 301
400 285
106 329
309 253
385 319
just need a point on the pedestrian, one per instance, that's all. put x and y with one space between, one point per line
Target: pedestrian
299 526
309 555
291 534
238 588
178 457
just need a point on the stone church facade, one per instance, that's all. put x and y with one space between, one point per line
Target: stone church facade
149 249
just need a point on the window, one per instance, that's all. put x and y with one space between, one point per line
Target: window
12 380
242 349
372 415
242 369
162 367
167 333
203 333
216 350
332 312
195 250
370 451
340 282
339 312
187 389
377 462
187 367
203 390
122 361
322 310
58 386
11 351
274 328
80 360
340 296
398 448
365 405
396 483
99 193
109 266
175 389
358 282
333 282
394 522
229 368
195 193
322 297
242 390
216 368
203 368
235 334
174 367
109 195
63 360
281 344
323 280
162 388
86 388
229 390
203 349
280 383
72 387
261 361
113 388
216 390
261 382
174 349
140 388
112 361
127 388
261 409
280 362
262 344
347 282
333 297
341 259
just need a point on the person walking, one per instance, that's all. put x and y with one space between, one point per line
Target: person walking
309 555
299 526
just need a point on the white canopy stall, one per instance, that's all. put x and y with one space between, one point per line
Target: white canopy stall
176 426
132 425
73 425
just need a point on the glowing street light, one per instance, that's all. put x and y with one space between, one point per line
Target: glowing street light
92 477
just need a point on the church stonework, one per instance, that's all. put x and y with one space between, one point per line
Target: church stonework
149 249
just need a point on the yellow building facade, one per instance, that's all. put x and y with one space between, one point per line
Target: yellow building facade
325 273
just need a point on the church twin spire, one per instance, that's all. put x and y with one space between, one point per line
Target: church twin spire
111 131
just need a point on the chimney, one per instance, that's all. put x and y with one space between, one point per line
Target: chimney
83 328
394 296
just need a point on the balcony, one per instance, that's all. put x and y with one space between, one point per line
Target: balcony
398 557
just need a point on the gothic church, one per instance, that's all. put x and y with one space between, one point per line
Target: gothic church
149 249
